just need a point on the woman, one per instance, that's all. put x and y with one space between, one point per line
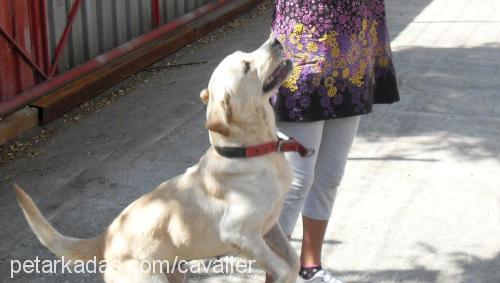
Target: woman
342 66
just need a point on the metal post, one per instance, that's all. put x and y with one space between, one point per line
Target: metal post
64 37
155 12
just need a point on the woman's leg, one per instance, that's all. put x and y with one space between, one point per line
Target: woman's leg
309 134
338 136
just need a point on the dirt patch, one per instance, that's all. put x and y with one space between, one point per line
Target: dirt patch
24 148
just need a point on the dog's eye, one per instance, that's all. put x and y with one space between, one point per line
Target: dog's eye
247 67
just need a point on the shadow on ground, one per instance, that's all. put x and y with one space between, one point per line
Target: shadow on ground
469 269
449 102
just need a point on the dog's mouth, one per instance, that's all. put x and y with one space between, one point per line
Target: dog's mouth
278 76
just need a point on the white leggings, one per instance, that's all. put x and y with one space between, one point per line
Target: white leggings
316 178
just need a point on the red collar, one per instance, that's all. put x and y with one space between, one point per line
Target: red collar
258 150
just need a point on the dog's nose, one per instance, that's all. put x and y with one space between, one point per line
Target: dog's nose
277 44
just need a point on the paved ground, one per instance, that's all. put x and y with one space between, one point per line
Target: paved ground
421 197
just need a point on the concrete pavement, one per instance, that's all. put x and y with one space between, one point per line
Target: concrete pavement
420 201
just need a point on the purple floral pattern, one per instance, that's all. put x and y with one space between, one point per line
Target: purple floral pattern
342 58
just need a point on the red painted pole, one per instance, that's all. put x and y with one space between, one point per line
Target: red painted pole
64 37
38 91
155 12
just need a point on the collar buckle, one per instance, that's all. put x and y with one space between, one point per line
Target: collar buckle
292 145
287 145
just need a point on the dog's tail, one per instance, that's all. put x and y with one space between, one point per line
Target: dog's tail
70 248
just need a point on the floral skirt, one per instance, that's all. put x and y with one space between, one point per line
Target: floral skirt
342 58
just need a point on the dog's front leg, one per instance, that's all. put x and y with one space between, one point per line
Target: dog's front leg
279 243
254 247
243 232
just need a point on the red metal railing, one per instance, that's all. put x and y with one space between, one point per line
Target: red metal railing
30 16
26 51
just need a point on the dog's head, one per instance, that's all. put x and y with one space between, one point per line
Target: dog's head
238 95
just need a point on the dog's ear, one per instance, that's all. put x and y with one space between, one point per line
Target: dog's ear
204 96
219 116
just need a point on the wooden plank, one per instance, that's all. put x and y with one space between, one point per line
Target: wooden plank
17 123
82 89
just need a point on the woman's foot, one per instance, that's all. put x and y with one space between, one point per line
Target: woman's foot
316 275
